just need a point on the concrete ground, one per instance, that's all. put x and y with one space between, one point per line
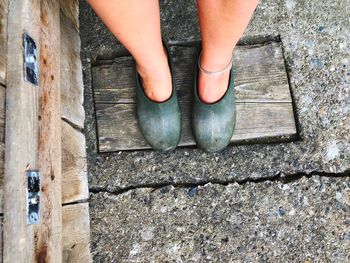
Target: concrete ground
267 202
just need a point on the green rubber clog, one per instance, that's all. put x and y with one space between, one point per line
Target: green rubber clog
213 123
159 122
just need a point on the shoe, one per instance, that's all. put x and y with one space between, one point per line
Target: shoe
213 123
159 122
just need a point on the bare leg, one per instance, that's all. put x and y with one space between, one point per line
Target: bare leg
222 23
136 24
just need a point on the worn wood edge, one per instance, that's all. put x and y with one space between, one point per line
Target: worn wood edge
1 237
3 40
72 86
267 89
2 145
70 9
49 237
74 165
20 143
76 233
285 127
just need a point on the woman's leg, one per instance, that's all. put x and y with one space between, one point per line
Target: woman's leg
222 24
136 24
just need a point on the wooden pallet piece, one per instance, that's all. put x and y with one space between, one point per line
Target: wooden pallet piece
75 216
3 40
76 233
70 10
32 140
72 97
2 144
74 166
264 104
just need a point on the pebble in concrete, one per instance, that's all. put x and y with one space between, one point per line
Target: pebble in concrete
315 37
268 221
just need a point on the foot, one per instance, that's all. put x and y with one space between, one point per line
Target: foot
156 79
211 88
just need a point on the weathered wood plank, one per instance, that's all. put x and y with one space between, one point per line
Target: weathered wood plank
76 233
70 9
21 134
3 40
32 140
71 71
2 144
264 105
49 236
118 129
260 75
74 167
1 237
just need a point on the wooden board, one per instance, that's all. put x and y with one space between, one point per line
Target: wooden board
72 89
70 10
49 236
74 167
264 104
76 233
32 140
76 223
2 144
3 40
1 236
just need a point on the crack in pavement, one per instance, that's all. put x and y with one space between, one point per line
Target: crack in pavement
279 177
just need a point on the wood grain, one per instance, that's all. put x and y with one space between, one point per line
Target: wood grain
254 121
74 166
70 9
76 233
264 104
21 134
48 247
1 237
260 75
2 145
3 39
72 86
32 140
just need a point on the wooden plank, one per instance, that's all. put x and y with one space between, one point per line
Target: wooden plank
1 237
76 233
32 140
70 9
74 166
3 39
72 86
2 144
20 135
264 104
259 71
118 129
49 243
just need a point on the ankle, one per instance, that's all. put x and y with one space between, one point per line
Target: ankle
156 81
159 72
215 60
212 88
152 63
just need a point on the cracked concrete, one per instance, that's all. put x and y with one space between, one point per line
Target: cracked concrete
246 223
299 221
283 178
318 65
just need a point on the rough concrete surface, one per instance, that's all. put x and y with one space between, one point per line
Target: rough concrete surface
315 37
301 221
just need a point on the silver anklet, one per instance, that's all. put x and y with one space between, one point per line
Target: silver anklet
219 72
